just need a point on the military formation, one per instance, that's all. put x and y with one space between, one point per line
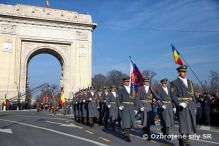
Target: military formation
117 107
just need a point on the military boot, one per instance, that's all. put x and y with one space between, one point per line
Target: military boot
127 134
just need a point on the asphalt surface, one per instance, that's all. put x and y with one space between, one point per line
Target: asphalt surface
31 128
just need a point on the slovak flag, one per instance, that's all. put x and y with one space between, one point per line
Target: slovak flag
136 78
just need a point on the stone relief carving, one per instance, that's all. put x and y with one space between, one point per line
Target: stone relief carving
8 29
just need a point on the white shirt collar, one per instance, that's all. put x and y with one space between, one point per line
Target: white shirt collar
127 89
114 94
146 88
165 89
184 81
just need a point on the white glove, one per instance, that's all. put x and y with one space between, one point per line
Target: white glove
83 100
142 109
174 110
183 104
164 106
121 107
104 100
98 107
109 106
76 102
90 99
135 111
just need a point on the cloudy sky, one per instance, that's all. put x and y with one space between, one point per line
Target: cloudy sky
143 29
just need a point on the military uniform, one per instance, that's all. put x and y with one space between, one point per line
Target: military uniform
127 105
65 106
55 105
111 103
100 105
92 107
166 105
183 96
144 104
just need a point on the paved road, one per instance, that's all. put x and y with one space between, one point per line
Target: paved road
31 128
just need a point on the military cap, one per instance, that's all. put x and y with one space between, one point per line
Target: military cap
105 87
113 86
92 88
164 81
146 79
182 68
125 79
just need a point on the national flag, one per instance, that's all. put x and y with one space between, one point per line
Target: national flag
62 96
136 78
176 56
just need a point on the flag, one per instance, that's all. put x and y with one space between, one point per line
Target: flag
62 96
136 78
176 56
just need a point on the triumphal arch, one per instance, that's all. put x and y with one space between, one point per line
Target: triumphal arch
26 31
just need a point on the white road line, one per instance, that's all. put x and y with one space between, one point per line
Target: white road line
6 131
65 125
57 132
205 141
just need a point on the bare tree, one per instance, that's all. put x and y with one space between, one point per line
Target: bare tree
214 82
114 77
99 81
148 73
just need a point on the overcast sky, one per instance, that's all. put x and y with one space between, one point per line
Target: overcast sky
143 29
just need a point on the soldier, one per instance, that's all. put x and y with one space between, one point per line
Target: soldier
92 106
183 96
105 108
206 106
54 105
126 103
100 102
65 106
145 98
84 107
111 102
80 100
167 108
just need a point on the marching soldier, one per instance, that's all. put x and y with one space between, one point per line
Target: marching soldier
111 102
84 107
92 106
166 105
54 105
65 106
100 106
81 104
105 108
145 98
183 95
126 103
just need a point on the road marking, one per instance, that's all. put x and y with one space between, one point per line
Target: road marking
208 128
57 132
104 139
65 125
9 131
206 141
205 128
89 132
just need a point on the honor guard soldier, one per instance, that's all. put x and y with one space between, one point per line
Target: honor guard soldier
105 108
127 105
92 106
84 107
167 107
183 95
65 106
55 106
99 105
75 104
111 102
81 105
145 98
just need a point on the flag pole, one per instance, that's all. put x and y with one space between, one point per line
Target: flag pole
196 76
